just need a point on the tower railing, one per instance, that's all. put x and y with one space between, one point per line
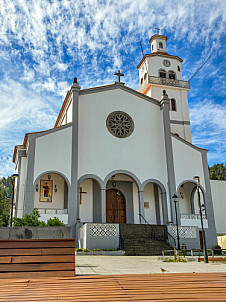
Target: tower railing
165 82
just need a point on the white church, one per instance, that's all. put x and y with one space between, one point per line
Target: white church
117 156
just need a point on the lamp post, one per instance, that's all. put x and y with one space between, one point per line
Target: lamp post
175 200
119 233
11 217
196 178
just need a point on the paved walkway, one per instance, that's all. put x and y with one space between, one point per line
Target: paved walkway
112 265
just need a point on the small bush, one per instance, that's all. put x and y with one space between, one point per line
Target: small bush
55 222
28 219
33 220
217 250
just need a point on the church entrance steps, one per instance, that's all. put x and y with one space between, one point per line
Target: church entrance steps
143 239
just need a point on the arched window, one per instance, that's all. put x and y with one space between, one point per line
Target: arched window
145 76
173 105
162 73
141 81
172 75
160 45
177 134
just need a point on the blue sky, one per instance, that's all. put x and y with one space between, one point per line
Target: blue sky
45 44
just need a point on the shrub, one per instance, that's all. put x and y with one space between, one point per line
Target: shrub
28 219
33 220
55 222
217 250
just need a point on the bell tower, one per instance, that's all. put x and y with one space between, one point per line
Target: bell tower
160 71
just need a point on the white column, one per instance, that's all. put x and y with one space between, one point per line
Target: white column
141 206
103 205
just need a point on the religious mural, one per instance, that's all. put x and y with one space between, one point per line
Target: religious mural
46 190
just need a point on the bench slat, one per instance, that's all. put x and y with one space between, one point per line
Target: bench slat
38 251
32 267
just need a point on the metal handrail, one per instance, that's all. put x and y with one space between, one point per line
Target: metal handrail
170 238
167 236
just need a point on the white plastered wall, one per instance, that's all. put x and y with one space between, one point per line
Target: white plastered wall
57 198
23 176
187 162
135 204
150 213
218 189
86 207
53 153
155 63
142 153
182 111
184 198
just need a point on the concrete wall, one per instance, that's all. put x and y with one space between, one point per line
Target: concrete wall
218 189
88 241
35 232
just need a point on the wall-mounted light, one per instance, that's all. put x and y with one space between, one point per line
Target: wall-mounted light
114 184
181 195
49 176
55 188
36 188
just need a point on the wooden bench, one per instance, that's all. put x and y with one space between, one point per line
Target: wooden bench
213 259
37 258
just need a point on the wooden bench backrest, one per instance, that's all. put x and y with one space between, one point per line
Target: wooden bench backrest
37 257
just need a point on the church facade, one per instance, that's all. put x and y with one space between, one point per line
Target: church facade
119 155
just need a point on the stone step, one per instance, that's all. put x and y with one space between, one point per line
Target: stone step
138 239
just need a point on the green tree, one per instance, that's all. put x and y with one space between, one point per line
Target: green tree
218 172
6 189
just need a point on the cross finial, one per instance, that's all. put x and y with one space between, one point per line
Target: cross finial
119 75
157 29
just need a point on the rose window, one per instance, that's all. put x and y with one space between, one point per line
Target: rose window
120 124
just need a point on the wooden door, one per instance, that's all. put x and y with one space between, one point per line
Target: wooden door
201 240
115 197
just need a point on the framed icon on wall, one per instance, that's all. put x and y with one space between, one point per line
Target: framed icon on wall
46 190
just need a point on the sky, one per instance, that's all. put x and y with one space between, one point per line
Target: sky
45 44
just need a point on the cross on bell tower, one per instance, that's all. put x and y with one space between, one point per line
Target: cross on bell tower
119 75
157 29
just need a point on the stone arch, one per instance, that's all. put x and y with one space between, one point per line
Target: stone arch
194 182
163 195
97 198
55 172
172 75
163 190
60 198
91 176
132 214
134 177
192 193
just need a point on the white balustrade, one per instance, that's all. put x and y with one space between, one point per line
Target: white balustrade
46 214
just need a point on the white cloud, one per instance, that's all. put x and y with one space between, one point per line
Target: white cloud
45 44
208 124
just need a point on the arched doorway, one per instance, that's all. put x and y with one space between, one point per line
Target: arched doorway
115 204
155 205
89 195
51 196
188 198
